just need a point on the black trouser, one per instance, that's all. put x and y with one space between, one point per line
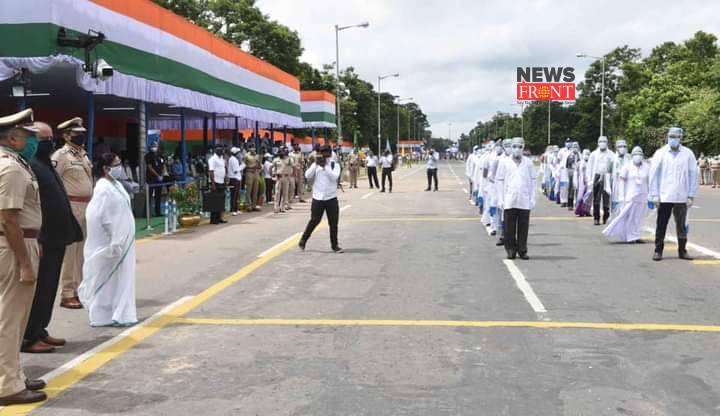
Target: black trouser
156 194
598 194
332 210
269 189
216 216
372 176
679 211
432 175
234 192
571 190
386 173
515 229
47 286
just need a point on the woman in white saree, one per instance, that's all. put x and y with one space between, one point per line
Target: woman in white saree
108 286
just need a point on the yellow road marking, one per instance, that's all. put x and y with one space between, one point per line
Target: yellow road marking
74 374
706 262
415 219
454 324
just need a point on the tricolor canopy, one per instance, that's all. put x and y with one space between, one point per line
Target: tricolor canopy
318 109
158 57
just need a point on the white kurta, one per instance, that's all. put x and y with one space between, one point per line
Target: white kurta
628 224
673 175
517 182
108 286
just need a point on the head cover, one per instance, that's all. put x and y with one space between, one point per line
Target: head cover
475 148
234 150
575 146
74 125
637 150
22 120
517 146
568 142
621 147
602 142
674 136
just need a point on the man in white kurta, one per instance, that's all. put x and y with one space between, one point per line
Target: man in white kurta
584 191
516 177
507 148
673 186
491 191
469 167
627 225
618 193
108 286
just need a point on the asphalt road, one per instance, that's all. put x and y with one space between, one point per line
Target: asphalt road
421 316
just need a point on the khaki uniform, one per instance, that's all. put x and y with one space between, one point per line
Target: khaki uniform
74 168
252 178
18 190
715 170
297 183
282 170
354 162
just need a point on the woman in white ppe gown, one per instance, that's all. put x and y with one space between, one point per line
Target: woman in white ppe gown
108 286
627 225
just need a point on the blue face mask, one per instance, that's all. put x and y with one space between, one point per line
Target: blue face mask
674 142
31 145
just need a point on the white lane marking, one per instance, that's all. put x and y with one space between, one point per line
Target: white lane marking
368 195
270 214
465 190
264 253
696 207
700 249
68 366
457 178
345 207
525 287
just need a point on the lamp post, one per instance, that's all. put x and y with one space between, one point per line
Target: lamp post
602 88
522 117
380 78
337 73
398 101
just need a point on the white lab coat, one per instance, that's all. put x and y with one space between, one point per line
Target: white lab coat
517 183
108 286
673 176
600 163
628 224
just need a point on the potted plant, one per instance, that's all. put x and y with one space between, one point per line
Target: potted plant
187 200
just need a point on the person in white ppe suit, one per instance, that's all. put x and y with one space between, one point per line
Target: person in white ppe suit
469 168
583 203
617 195
500 191
598 173
673 186
516 177
628 224
492 202
108 286
567 168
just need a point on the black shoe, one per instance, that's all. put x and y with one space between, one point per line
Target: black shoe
223 222
563 205
338 250
500 242
511 256
382 190
301 244
597 222
524 256
685 256
493 233
427 190
605 221
35 385
435 190
657 256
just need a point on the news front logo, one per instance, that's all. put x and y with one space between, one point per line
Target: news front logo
545 83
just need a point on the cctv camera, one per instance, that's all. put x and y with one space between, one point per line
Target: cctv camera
103 70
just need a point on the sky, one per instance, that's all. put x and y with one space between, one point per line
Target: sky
458 58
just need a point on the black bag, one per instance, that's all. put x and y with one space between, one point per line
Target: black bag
213 201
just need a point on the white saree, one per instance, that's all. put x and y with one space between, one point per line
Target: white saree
108 286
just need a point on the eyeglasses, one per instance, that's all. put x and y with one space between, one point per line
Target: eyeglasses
517 146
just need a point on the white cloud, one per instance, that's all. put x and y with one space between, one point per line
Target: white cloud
457 58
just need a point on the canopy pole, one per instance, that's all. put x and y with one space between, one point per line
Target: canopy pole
312 134
236 133
272 137
90 124
214 131
257 136
284 135
142 139
183 145
205 135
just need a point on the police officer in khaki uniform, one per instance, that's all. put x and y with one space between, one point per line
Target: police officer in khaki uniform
20 220
73 166
252 177
281 170
297 187
354 162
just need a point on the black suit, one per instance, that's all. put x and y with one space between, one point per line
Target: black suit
59 228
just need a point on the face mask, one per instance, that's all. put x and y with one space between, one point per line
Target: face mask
78 140
602 145
31 145
586 157
44 149
517 152
674 142
637 159
116 172
499 151
507 151
622 151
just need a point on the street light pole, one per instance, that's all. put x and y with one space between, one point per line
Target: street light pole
338 117
549 101
602 88
380 78
399 100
